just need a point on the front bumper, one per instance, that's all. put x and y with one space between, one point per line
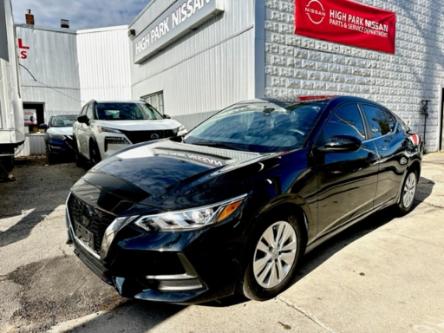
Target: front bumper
60 147
184 267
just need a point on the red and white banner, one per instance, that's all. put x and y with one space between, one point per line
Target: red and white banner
346 22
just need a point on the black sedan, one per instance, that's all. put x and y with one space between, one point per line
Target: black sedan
58 137
233 206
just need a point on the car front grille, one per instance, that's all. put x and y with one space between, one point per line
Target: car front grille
85 217
142 136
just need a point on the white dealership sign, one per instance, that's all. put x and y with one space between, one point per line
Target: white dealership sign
181 17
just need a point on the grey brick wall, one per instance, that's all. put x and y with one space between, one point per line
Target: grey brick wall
297 65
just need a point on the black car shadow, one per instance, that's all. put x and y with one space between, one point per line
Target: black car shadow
326 250
133 316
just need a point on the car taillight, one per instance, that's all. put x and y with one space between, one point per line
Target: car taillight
415 139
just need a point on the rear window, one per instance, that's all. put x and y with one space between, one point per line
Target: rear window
381 121
127 111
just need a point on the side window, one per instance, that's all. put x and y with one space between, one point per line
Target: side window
346 120
381 122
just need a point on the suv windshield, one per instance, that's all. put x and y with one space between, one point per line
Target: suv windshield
127 111
258 127
62 121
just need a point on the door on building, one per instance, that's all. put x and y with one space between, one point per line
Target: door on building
441 126
156 100
34 115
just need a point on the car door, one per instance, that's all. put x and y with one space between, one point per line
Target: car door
389 139
90 113
346 179
77 129
84 131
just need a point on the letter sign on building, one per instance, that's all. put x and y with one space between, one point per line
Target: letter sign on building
23 49
175 22
346 22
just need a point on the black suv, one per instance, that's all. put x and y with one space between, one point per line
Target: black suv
234 205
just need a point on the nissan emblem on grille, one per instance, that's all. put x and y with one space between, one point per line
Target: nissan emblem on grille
155 136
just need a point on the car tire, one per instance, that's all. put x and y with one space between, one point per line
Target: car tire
408 191
269 270
94 153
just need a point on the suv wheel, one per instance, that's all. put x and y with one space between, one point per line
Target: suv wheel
408 192
273 258
94 153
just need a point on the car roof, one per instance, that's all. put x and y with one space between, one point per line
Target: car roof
117 101
333 99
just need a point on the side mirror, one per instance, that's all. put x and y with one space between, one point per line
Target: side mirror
83 120
165 116
341 143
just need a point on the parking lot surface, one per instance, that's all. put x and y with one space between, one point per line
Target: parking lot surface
382 275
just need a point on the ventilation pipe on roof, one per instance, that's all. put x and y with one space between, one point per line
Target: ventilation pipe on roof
64 24
29 18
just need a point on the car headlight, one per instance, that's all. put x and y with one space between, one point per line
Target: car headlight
102 129
192 219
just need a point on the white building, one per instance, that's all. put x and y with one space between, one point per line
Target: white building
48 71
63 69
192 58
234 50
104 64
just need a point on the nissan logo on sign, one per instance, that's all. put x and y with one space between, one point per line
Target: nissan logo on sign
315 11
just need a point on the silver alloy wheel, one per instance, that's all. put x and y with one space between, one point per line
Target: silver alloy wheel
275 254
408 194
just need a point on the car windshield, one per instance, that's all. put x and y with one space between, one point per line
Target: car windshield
127 111
62 121
258 127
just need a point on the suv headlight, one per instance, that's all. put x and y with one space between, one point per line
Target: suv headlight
102 129
192 219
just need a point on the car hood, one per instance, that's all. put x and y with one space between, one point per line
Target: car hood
140 125
60 131
170 175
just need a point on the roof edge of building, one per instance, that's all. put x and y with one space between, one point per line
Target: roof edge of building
61 30
102 29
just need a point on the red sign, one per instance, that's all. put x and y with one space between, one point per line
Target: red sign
23 49
346 22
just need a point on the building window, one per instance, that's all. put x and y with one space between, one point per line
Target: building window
156 100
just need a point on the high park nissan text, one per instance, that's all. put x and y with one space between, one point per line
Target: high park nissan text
233 206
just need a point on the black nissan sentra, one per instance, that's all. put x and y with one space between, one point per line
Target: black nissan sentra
234 205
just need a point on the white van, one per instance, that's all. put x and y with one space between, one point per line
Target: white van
11 107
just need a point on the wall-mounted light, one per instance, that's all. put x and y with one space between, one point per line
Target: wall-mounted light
132 33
